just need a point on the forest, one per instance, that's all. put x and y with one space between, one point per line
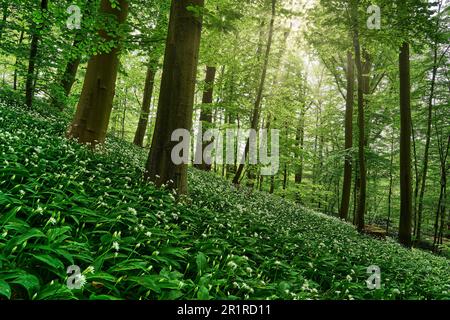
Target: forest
224 150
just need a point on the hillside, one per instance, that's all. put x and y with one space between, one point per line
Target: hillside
62 204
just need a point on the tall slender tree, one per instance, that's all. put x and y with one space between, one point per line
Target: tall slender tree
405 147
259 95
36 29
346 187
146 104
206 117
361 209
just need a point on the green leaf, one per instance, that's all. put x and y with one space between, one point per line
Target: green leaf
201 262
129 265
16 241
28 281
55 291
203 293
103 297
5 289
148 282
49 260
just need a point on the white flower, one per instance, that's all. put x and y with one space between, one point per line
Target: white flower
148 234
116 246
349 278
132 211
232 265
52 221
81 281
89 269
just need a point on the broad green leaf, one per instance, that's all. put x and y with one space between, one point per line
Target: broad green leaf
5 289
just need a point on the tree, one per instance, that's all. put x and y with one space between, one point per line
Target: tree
91 120
206 116
145 110
35 38
259 96
361 210
405 148
346 187
176 97
418 231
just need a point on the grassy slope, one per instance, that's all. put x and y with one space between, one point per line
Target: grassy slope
61 204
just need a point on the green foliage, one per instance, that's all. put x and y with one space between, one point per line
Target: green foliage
62 204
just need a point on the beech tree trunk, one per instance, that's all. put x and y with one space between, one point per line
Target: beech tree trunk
444 149
427 147
444 174
347 184
300 141
257 106
70 72
206 115
146 104
405 148
91 120
361 125
22 34
391 179
35 38
176 98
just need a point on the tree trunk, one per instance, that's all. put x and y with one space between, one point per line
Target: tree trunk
285 178
347 184
300 139
417 179
257 106
206 117
124 113
176 97
35 38
405 148
5 14
91 120
443 195
69 75
361 125
427 148
391 178
146 104
22 34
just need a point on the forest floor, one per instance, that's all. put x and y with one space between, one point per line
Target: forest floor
62 204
